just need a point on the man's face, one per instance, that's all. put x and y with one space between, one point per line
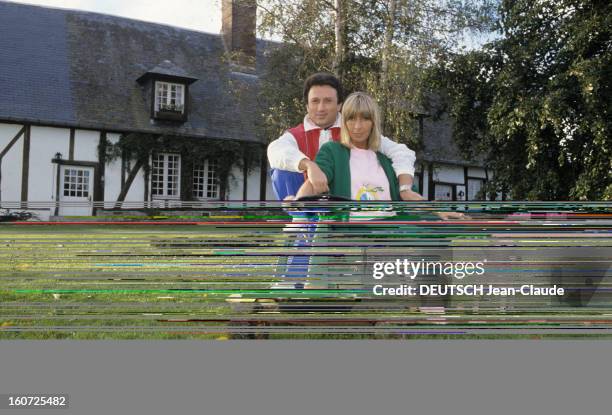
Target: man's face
322 105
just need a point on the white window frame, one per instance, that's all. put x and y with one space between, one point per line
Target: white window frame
450 185
206 174
469 192
165 176
77 182
169 100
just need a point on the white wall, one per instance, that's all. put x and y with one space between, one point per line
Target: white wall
425 189
448 173
86 145
112 178
10 187
44 143
477 172
269 191
253 190
137 189
47 141
112 173
254 184
236 184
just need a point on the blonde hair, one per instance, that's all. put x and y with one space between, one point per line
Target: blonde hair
360 104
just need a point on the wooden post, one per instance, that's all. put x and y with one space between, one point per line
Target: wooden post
25 167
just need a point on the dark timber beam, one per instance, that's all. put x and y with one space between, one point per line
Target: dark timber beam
245 177
12 142
25 167
465 181
98 194
430 184
71 145
128 183
263 175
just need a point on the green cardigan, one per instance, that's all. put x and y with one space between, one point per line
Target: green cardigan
334 160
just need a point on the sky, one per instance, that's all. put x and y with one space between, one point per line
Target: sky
201 15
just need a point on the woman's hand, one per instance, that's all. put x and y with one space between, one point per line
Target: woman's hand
408 195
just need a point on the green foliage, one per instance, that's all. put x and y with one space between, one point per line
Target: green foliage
386 47
227 153
537 101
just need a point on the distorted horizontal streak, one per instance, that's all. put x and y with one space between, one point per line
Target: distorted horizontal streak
241 269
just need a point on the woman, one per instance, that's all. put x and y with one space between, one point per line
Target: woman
353 166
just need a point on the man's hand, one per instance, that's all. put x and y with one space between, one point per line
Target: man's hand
411 195
316 177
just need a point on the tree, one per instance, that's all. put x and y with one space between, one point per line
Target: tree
379 46
537 100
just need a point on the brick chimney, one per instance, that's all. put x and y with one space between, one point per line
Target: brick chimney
238 30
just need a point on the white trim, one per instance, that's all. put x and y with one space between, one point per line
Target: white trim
169 94
205 180
169 189
470 185
76 181
76 190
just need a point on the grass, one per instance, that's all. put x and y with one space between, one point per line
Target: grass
95 282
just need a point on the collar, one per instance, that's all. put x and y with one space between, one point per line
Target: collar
309 125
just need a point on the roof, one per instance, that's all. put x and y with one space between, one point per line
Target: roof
439 146
80 69
168 68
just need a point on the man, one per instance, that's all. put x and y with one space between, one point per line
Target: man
293 153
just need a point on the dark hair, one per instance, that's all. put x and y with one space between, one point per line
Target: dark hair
323 78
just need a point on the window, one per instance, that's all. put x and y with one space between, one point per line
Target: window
460 192
474 187
443 191
165 176
206 180
169 97
76 182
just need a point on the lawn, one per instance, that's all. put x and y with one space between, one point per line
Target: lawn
109 281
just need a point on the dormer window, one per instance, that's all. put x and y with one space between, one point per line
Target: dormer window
169 100
168 88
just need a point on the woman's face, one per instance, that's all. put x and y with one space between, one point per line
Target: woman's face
359 129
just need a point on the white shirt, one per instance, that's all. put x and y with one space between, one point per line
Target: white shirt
368 178
284 153
368 182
